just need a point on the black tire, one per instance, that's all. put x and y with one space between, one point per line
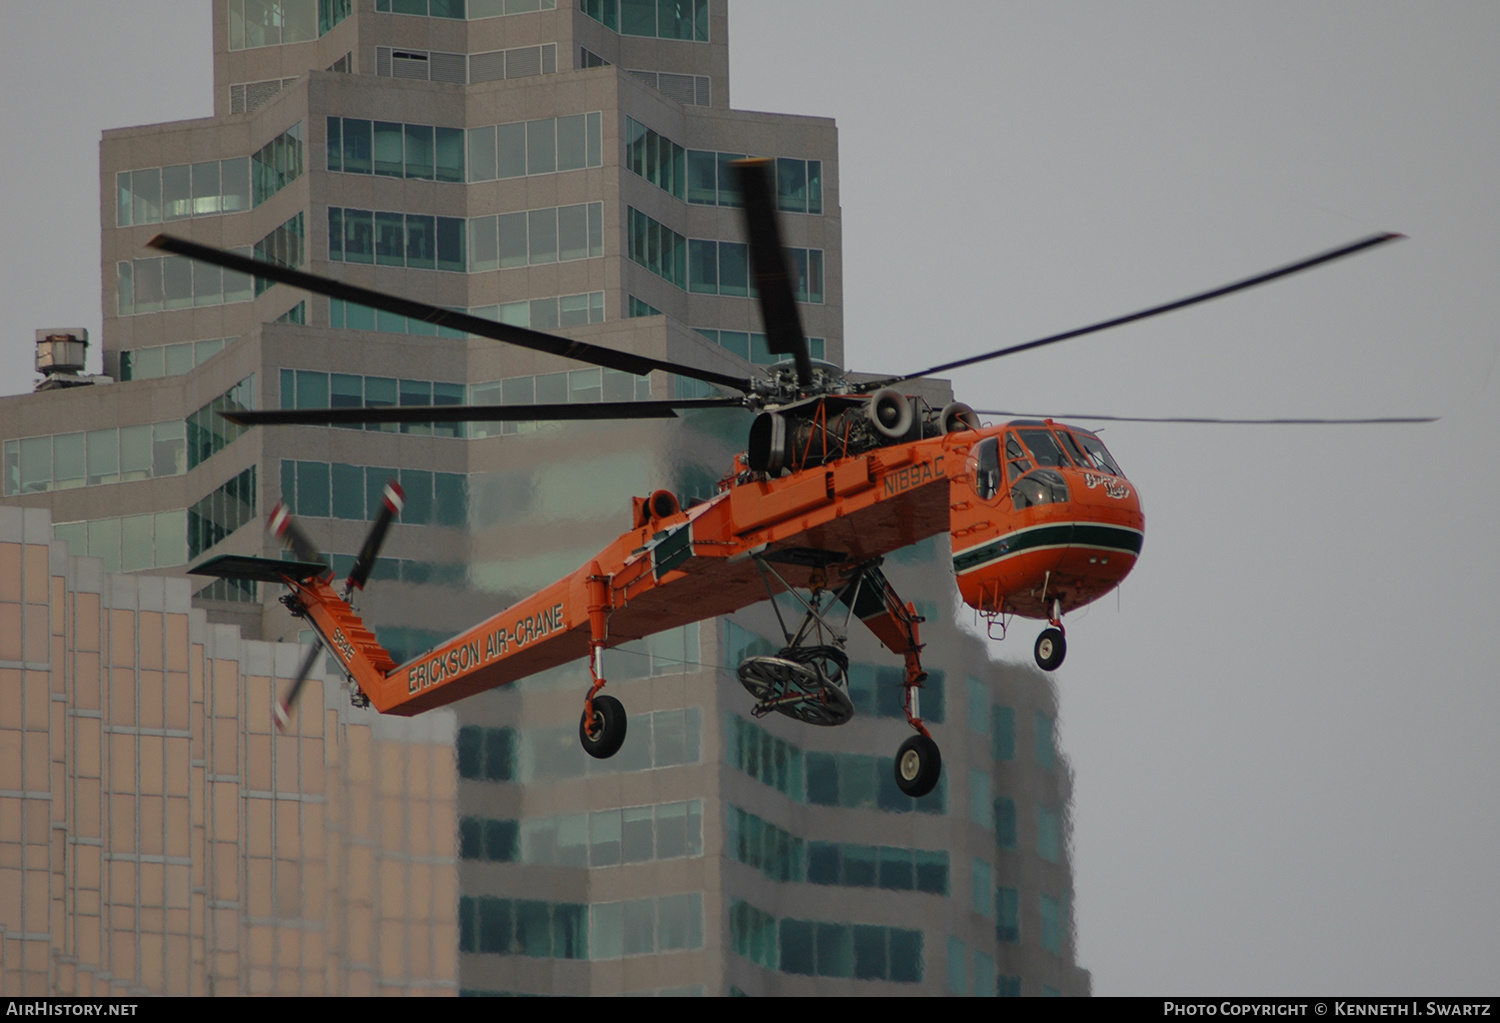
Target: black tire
1050 650
918 766
609 728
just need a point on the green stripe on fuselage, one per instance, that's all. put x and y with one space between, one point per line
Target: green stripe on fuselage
1080 534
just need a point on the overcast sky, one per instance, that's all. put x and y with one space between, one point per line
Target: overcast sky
1283 730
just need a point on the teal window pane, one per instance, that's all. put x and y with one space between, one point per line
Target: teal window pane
348 482
450 499
572 233
702 177
208 285
815 275
148 285
596 230
234 185
104 542
541 313
135 453
541 226
1046 755
572 151
797 955
542 146
177 283
313 497
835 950
122 199
289 484
638 17
417 483
931 871
906 956
484 252
700 20
983 881
389 156
512 243
206 189
145 196
729 191
896 871
390 239
420 157
1007 915
137 546
359 236
312 389
171 538
1051 924
860 866
870 959
822 779
335 144
421 242
815 186
126 291
482 154
448 154
450 244
380 392
103 456
791 185
359 147
734 273
510 146
359 317
1005 823
594 140
958 967
1003 733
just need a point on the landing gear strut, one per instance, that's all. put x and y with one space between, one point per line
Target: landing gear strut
1051 645
808 678
601 730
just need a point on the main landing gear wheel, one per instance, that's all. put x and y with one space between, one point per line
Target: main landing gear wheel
608 733
1051 648
918 766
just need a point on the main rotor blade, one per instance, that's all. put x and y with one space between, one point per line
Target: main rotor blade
768 267
523 337
1156 310
665 409
1202 420
395 500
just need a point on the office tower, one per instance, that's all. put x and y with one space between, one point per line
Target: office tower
560 166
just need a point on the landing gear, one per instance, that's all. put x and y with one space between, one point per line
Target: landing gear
1051 648
918 766
601 730
605 734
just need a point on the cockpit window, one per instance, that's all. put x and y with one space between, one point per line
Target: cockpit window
986 468
1015 457
1046 449
1071 444
1098 452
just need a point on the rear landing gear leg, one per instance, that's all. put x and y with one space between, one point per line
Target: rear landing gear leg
870 595
1052 644
601 730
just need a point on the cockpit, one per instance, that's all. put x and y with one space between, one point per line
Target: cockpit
1033 452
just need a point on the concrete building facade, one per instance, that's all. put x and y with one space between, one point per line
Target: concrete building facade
558 164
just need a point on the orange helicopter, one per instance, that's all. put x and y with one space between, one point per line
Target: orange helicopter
835 475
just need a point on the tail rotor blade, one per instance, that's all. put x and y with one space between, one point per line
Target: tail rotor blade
286 703
291 536
395 500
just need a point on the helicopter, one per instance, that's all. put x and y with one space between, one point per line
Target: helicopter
836 475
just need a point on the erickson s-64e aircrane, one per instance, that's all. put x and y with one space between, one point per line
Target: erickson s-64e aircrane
835 475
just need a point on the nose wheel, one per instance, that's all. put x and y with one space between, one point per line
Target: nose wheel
1051 648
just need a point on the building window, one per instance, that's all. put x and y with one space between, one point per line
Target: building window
681 19
221 513
486 754
1003 733
208 432
460 10
1007 915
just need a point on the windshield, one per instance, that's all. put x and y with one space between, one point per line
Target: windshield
1098 452
1046 449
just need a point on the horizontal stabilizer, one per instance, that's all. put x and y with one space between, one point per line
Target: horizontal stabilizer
261 570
